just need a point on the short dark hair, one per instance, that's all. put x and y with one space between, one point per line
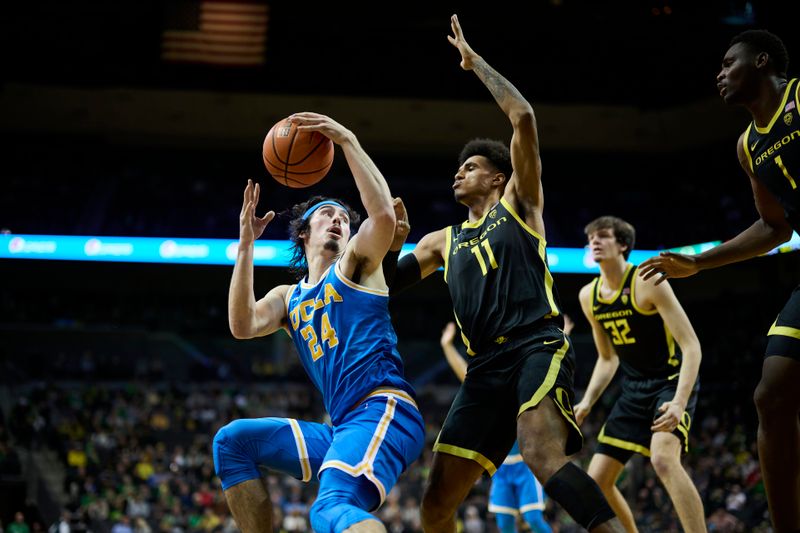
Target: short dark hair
495 151
298 266
763 41
623 231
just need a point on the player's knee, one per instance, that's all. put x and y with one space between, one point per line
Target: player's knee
771 399
664 463
437 507
336 514
232 465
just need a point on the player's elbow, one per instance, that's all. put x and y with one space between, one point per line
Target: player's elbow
240 330
523 117
784 234
384 217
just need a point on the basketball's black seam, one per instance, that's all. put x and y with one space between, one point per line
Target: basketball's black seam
309 153
300 173
289 154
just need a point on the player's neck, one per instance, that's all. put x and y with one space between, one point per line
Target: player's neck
769 99
317 266
612 271
482 206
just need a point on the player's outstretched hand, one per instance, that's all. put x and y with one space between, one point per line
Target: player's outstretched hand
308 121
668 265
448 334
250 226
468 55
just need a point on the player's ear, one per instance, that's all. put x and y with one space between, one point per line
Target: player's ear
762 59
499 179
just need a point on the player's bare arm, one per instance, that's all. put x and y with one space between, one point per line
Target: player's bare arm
246 317
366 250
769 231
524 189
661 297
429 252
607 360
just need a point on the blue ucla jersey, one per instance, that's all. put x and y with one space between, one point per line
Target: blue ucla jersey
345 339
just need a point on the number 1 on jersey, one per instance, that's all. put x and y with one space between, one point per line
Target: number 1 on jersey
779 162
479 256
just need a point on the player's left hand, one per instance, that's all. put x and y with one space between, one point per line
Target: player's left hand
468 55
671 413
402 226
331 129
448 334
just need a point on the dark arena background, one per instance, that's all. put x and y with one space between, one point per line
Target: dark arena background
116 369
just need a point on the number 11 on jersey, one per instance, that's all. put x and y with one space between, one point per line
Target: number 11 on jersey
479 256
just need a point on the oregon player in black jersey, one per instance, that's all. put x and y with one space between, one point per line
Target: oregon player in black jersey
519 381
635 325
753 75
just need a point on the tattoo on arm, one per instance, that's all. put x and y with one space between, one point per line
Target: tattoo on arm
500 87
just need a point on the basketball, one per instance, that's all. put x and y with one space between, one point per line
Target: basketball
296 158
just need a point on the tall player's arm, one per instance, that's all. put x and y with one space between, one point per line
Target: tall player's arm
426 258
675 319
607 359
769 231
366 250
524 189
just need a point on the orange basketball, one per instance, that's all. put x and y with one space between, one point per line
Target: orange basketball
296 158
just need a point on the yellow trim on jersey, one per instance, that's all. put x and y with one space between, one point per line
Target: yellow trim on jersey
633 300
477 223
356 286
463 336
786 331
779 111
466 454
389 392
302 451
746 146
670 342
364 467
548 281
533 506
500 509
549 379
448 237
619 290
797 97
513 459
522 223
619 443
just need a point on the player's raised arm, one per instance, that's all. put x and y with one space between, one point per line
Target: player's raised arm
377 231
246 317
524 185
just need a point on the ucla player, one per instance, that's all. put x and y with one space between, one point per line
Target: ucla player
519 383
515 490
753 75
338 318
635 325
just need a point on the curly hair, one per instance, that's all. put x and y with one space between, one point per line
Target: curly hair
763 41
495 151
623 231
298 266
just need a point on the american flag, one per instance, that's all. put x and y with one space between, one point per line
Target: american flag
220 32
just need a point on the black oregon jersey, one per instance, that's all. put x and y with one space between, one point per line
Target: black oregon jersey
641 339
496 269
774 153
